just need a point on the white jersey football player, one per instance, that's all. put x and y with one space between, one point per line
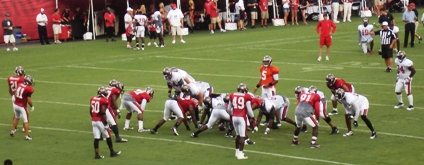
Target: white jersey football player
364 37
355 104
218 108
276 105
175 79
183 73
405 72
395 30
140 21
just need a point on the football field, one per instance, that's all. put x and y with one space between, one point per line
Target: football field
67 75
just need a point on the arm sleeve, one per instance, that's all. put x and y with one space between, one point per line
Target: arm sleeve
275 76
249 109
143 104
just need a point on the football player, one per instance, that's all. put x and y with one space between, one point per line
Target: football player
355 104
140 21
334 83
404 76
175 78
98 108
171 105
217 105
114 91
274 106
323 109
198 90
395 30
188 105
364 38
239 106
14 81
135 101
23 94
307 105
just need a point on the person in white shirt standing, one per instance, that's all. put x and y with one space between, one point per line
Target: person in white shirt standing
404 79
141 22
42 30
175 18
128 19
347 4
8 33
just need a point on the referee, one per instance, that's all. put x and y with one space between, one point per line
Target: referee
409 18
387 39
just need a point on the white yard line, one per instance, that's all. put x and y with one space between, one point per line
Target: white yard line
193 143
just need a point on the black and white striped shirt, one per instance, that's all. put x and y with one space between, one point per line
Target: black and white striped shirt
386 36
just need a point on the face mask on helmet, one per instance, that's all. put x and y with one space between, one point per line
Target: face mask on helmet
242 88
20 71
167 73
102 91
185 89
28 80
401 55
207 101
313 89
113 83
297 91
330 78
150 91
340 94
267 61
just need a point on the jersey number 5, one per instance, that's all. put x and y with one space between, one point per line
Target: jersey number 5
238 102
263 75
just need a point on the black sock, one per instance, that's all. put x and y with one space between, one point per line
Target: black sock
109 144
156 128
96 145
115 131
137 45
176 124
368 122
142 45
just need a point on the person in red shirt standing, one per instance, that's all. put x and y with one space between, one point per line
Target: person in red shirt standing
325 28
109 24
22 98
57 29
98 108
240 106
263 5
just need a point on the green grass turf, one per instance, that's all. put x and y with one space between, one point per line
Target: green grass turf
67 75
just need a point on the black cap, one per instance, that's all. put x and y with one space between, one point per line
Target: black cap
7 15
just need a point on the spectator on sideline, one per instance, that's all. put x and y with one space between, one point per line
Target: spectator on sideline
152 32
8 33
57 29
386 17
303 5
240 14
164 13
176 21
215 16
207 13
78 24
157 19
42 30
286 9
191 15
109 24
222 12
416 23
409 18
128 22
294 7
335 8
66 16
253 7
347 11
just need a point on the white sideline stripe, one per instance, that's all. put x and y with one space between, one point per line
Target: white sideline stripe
226 75
194 143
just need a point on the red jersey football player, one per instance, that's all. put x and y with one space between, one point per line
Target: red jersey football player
269 78
114 91
98 108
240 106
308 104
13 82
135 102
325 28
188 106
23 94
333 84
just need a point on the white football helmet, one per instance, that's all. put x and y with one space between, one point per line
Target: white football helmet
28 80
167 73
401 55
330 79
340 94
267 61
313 89
150 91
102 91
20 71
242 88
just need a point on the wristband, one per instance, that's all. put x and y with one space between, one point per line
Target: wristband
270 84
257 86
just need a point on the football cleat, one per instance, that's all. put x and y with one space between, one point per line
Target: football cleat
229 135
12 133
278 123
28 138
248 142
264 123
129 128
121 140
398 105
174 130
113 154
153 131
99 157
304 130
411 107
267 130
350 133
143 130
334 131
295 142
241 156
373 135
194 135
315 145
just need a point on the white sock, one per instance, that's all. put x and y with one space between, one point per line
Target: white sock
140 124
411 99
399 97
127 123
